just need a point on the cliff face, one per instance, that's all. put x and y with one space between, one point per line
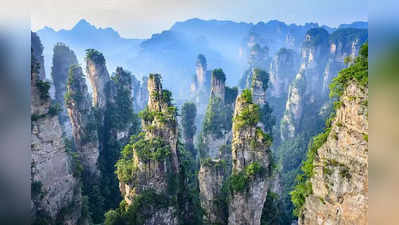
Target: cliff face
305 88
200 88
98 76
343 43
322 58
63 59
258 58
340 181
251 161
216 131
283 68
215 148
56 195
84 125
37 52
139 93
154 160
211 177
293 108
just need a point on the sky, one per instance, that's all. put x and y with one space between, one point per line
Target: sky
142 18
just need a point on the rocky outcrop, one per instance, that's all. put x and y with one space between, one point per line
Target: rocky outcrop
63 59
218 84
314 54
340 180
216 131
258 58
55 191
84 124
259 86
211 177
154 158
200 88
323 56
139 93
305 89
343 43
283 68
98 76
215 148
251 161
293 108
37 51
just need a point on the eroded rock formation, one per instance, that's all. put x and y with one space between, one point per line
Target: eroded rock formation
63 59
200 88
340 181
251 160
215 148
84 124
55 191
154 160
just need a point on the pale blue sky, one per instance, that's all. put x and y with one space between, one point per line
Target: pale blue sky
141 18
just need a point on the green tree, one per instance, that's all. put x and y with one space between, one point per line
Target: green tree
189 112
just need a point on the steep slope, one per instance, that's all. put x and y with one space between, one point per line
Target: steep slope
215 147
63 59
201 86
55 187
251 161
334 186
283 68
37 48
84 125
343 43
149 166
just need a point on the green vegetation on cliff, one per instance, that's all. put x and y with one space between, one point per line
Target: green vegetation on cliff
249 115
189 112
239 181
357 72
96 56
219 74
262 76
217 119
146 149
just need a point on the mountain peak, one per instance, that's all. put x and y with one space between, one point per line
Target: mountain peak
83 24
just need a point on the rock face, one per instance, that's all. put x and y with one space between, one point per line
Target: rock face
211 176
215 148
259 86
305 89
216 131
155 161
63 59
283 68
251 160
139 93
343 43
258 58
56 195
98 76
293 108
218 84
322 57
37 52
340 181
200 88
81 114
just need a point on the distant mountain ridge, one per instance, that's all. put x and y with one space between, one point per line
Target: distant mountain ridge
173 52
85 35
